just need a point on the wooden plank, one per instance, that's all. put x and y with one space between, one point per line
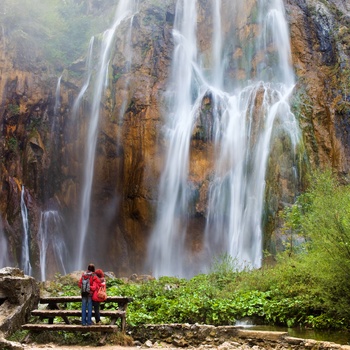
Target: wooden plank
52 313
70 299
69 327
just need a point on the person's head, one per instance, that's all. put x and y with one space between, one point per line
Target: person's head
91 267
99 273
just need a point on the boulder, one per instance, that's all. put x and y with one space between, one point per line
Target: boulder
19 295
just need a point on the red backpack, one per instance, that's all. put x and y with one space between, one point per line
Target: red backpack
101 293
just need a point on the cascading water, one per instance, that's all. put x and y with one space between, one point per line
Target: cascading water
125 10
246 115
4 260
56 110
127 53
52 246
89 67
57 97
166 245
25 260
3 42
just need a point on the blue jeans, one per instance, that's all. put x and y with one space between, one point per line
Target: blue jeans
86 310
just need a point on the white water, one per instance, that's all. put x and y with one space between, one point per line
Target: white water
56 110
242 131
57 105
25 259
3 39
166 246
89 67
4 254
125 10
51 243
127 53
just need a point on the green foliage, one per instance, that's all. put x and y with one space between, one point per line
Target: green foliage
13 109
59 30
286 295
323 216
12 144
63 285
223 273
308 287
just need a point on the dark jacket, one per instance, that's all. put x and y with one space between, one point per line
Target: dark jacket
92 277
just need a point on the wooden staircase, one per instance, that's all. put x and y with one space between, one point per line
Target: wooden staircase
56 307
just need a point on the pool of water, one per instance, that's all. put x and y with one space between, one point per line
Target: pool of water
338 337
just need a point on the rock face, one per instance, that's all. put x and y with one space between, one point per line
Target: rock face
42 142
320 44
19 294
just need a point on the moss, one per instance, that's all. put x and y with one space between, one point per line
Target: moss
12 144
13 109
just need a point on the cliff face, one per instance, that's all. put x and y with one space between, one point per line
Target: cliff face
320 44
43 142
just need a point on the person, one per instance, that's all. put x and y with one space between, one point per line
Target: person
100 281
86 297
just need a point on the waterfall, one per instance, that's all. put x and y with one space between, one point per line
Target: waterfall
3 39
217 76
25 261
125 10
247 113
53 251
56 110
57 105
88 67
4 253
127 68
167 241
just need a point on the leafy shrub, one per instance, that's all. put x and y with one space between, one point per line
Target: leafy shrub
308 286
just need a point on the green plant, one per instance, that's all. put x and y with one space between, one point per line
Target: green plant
323 216
61 30
308 287
12 144
13 109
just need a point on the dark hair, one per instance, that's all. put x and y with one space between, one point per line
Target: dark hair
91 267
99 273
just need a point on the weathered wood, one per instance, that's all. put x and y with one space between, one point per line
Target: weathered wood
54 310
72 299
69 327
54 306
61 313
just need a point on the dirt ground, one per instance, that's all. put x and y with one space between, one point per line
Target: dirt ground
76 347
79 347
101 347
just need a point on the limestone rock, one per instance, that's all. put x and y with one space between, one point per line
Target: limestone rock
19 294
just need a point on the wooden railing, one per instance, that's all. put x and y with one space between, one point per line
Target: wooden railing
57 307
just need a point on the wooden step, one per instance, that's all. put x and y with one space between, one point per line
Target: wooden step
53 313
69 327
77 298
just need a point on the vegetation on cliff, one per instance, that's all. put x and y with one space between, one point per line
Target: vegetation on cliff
59 30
